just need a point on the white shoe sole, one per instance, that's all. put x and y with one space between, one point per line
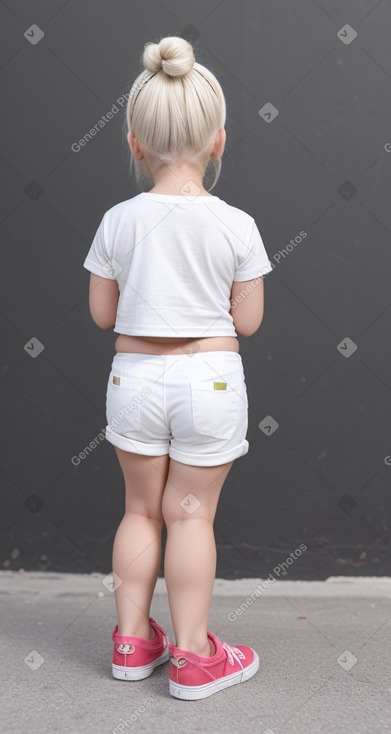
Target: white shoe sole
192 693
143 671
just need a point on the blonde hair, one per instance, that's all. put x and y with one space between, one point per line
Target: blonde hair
175 106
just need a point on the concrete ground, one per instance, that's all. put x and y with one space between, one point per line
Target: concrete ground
324 651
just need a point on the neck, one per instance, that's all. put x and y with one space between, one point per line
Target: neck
179 180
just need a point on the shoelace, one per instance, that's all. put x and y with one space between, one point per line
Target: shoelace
233 652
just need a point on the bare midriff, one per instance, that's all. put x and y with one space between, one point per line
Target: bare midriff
180 345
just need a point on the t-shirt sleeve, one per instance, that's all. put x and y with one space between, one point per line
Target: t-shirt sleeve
98 259
253 260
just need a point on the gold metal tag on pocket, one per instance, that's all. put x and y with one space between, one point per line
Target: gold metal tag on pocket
116 380
219 386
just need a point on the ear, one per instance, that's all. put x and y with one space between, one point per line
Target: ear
219 144
134 146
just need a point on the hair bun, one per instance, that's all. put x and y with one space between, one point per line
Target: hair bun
172 54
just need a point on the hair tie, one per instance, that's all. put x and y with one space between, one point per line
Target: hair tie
203 75
140 86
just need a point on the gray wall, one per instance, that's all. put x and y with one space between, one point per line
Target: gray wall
317 180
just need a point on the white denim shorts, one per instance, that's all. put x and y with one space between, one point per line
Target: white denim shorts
193 407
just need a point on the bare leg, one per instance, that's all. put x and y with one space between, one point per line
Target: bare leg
190 555
137 544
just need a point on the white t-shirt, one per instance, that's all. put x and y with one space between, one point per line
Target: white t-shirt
175 259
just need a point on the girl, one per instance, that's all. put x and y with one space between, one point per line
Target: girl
178 272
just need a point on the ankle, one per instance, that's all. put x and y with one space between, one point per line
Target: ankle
146 632
204 651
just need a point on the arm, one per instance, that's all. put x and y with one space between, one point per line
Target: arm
247 305
103 300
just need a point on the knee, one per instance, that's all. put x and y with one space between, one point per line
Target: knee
185 507
148 514
182 516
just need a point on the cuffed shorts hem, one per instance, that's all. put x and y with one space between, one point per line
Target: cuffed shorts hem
221 457
137 447
185 457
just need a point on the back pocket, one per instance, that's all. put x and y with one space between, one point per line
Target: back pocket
215 407
123 401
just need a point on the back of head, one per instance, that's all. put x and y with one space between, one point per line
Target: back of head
175 106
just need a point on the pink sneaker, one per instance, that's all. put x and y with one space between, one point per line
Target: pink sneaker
193 676
135 657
